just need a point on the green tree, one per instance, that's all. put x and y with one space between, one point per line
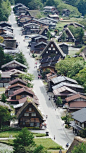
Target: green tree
21 58
50 2
80 148
59 101
40 149
3 98
77 32
82 133
81 34
64 36
81 77
26 76
48 34
45 72
24 143
2 56
67 119
70 66
4 115
24 139
1 39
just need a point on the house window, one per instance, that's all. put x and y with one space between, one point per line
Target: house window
23 123
33 114
51 45
49 49
26 114
37 124
83 125
30 109
31 124
45 32
53 48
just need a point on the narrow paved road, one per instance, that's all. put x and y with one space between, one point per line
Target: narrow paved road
54 123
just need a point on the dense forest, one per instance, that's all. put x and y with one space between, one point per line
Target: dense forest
4 10
75 6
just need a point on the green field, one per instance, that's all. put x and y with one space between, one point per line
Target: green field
2 89
13 133
47 143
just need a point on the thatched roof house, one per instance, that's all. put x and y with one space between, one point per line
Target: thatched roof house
29 115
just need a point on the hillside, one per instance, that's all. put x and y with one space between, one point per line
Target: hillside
75 6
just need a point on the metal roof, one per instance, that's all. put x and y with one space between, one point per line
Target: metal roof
18 105
68 85
63 89
80 115
62 78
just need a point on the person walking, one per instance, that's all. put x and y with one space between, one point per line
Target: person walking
60 151
54 137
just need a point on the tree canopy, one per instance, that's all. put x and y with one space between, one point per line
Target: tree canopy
80 148
4 10
24 143
74 68
70 66
4 115
77 32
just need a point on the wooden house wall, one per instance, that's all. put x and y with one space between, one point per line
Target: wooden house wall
51 51
75 104
31 120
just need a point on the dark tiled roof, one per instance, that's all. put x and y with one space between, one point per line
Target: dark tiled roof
40 43
50 59
23 108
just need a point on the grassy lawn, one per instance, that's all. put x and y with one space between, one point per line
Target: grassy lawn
61 24
45 83
2 89
48 143
73 52
7 134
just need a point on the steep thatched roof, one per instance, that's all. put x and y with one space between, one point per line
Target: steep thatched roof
76 141
24 107
57 46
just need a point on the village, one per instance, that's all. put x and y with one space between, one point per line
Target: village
36 91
